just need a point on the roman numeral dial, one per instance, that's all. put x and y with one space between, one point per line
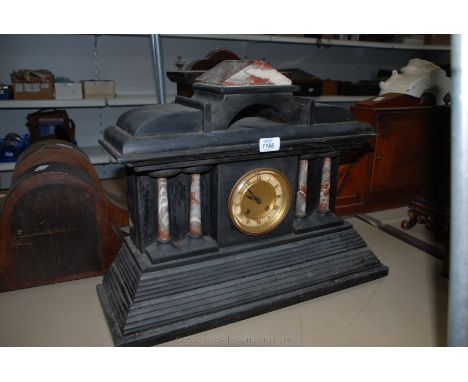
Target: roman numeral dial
259 201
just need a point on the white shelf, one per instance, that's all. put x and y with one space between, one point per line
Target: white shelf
132 100
299 40
339 98
127 100
37 104
7 166
384 45
98 155
309 40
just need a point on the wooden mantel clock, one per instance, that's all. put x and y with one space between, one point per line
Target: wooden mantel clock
230 196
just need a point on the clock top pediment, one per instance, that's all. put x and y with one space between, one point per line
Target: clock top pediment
235 104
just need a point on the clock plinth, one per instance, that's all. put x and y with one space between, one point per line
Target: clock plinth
223 227
314 221
176 302
188 246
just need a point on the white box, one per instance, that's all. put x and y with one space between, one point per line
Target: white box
99 89
68 90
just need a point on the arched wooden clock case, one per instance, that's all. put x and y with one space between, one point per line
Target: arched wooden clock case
220 230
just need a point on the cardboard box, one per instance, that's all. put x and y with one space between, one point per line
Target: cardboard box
33 90
68 90
98 89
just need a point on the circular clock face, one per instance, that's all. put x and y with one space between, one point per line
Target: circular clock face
259 201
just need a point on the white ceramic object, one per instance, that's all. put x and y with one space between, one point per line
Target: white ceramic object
417 78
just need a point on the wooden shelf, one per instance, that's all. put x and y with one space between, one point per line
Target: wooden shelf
310 40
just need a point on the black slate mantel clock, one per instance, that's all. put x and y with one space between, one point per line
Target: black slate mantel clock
230 197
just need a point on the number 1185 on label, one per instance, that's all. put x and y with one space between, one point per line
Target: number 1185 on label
269 144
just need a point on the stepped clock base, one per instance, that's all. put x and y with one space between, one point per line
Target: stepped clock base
147 308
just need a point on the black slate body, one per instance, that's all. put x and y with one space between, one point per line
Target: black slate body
156 291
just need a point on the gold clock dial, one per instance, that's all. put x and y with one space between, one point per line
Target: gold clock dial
259 201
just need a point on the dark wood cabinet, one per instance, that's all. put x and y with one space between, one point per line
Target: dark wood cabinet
400 161
402 147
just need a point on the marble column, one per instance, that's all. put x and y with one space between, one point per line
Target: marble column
324 204
195 207
164 233
301 194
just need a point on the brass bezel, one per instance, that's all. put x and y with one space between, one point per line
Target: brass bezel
279 215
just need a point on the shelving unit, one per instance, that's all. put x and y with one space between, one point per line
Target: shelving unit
131 100
311 41
37 104
301 40
97 154
339 99
128 59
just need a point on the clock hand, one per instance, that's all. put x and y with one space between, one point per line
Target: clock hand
258 201
253 197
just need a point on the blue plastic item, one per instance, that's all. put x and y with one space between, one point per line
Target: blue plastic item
12 146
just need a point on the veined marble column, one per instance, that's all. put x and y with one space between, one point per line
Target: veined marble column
324 205
195 206
301 194
164 233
